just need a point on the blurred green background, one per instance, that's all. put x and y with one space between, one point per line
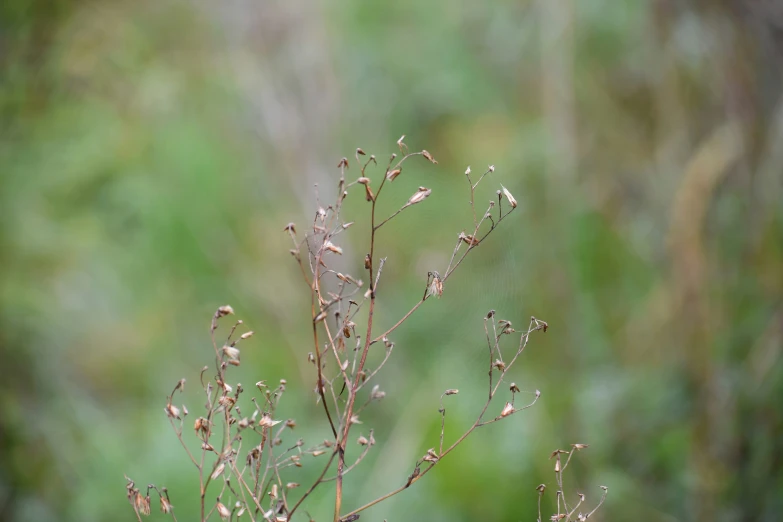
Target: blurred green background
152 151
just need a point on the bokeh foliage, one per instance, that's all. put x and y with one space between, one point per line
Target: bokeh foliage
151 153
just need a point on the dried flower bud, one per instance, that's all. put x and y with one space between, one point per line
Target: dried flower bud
578 447
581 497
360 152
500 365
291 227
261 385
391 175
436 286
427 155
218 471
223 511
290 423
346 225
267 422
508 195
508 409
320 317
333 248
451 391
467 171
343 163
363 180
538 394
402 145
491 168
224 311
377 394
362 440
201 424
311 357
431 456
273 492
172 411
283 382
184 410
557 464
244 423
604 488
247 335
367 262
419 196
231 352
556 453
207 446
318 453
355 419
292 485
165 505
296 460
514 388
142 503
469 239
541 488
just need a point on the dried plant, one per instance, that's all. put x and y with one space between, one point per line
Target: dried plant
564 512
246 478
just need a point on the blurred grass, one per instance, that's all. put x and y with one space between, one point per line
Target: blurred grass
152 152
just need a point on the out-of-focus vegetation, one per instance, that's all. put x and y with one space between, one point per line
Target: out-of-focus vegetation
151 153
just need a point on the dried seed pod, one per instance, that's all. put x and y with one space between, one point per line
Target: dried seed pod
509 197
419 196
231 352
427 155
451 391
291 227
218 471
223 511
514 388
469 239
224 311
267 422
436 286
172 411
402 145
368 195
333 248
391 175
165 505
507 410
